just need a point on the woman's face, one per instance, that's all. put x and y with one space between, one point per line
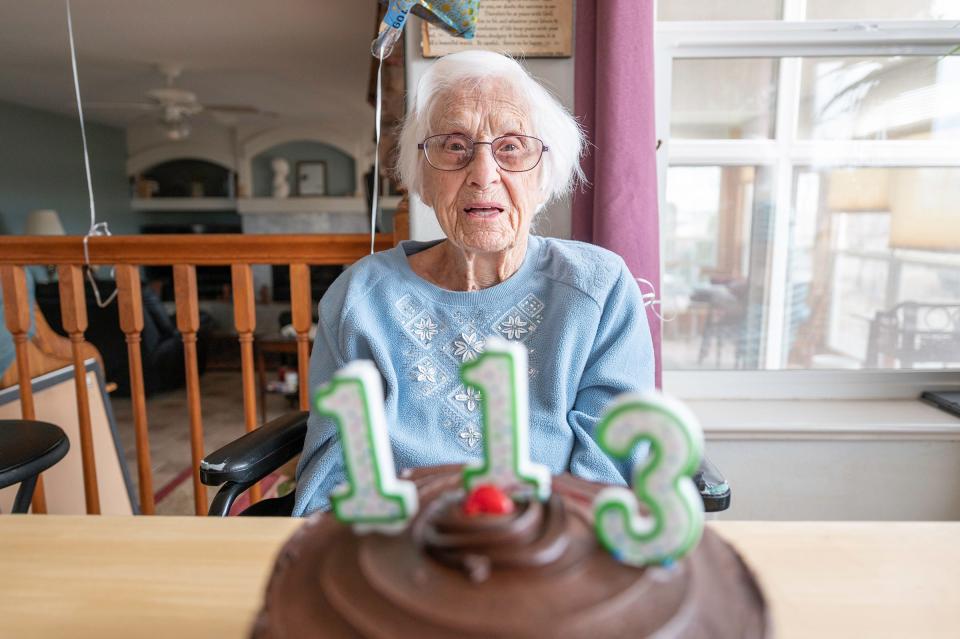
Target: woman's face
481 207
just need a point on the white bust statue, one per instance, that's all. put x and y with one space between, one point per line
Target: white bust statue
281 171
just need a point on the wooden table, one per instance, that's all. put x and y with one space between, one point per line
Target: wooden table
188 577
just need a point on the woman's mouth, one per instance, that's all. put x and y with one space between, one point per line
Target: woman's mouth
483 209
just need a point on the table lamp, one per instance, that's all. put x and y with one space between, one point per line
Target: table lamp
45 222
925 210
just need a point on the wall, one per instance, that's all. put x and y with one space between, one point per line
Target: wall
885 456
340 167
554 73
865 479
41 166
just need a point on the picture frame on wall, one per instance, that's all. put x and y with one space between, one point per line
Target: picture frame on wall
311 178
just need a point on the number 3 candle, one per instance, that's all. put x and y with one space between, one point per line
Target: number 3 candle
373 498
500 374
663 482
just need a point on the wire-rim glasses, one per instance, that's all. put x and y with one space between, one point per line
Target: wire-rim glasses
454 151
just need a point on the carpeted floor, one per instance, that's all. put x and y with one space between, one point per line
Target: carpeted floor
169 427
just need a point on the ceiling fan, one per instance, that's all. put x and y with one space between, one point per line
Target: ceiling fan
175 107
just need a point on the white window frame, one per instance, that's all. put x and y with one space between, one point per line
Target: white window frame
789 40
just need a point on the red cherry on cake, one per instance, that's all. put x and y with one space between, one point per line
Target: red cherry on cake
487 499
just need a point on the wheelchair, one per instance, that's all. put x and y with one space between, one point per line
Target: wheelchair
245 461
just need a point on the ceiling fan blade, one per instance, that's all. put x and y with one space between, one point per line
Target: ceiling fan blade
139 106
172 95
238 109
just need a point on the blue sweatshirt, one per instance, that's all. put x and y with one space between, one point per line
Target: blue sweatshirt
575 306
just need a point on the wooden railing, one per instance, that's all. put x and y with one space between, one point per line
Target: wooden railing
184 253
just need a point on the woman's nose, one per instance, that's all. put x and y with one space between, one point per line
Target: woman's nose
483 169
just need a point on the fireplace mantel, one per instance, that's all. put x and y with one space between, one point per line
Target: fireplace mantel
328 204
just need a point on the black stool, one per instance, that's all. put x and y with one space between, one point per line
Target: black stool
28 448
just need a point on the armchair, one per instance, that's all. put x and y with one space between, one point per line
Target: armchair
247 460
161 346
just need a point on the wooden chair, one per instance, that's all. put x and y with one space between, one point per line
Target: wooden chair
47 352
914 333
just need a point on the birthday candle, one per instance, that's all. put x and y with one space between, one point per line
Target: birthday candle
500 374
372 498
663 482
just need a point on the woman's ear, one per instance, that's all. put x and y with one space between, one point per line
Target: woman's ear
543 198
423 197
543 192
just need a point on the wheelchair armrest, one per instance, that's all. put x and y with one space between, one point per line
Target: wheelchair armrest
713 487
258 453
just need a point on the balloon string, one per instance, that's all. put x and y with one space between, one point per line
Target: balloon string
96 229
650 299
374 201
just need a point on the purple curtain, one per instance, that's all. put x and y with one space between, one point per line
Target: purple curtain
614 100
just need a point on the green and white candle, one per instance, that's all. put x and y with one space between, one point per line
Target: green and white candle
663 482
373 498
500 374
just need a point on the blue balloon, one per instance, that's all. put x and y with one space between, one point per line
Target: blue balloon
459 17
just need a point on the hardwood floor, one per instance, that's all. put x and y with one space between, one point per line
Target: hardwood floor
169 428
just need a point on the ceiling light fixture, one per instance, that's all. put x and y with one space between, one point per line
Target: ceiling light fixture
176 130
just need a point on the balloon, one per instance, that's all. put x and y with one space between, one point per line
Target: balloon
458 17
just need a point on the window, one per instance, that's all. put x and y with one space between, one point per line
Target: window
810 184
711 10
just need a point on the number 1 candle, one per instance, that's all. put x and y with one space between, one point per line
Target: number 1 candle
663 482
372 498
500 374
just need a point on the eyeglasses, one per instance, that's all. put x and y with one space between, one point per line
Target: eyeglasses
453 151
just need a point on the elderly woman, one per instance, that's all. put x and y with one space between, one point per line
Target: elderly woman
486 147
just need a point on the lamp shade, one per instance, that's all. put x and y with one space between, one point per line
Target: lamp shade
858 190
43 222
925 210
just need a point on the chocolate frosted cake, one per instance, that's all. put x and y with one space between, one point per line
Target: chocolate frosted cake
535 572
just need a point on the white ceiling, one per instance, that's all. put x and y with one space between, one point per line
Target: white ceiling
306 60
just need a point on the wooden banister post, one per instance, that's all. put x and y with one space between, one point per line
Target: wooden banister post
301 309
131 323
188 323
73 310
245 320
16 310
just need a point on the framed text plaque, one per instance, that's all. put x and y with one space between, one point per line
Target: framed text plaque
520 28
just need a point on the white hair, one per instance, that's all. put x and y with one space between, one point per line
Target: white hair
550 121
